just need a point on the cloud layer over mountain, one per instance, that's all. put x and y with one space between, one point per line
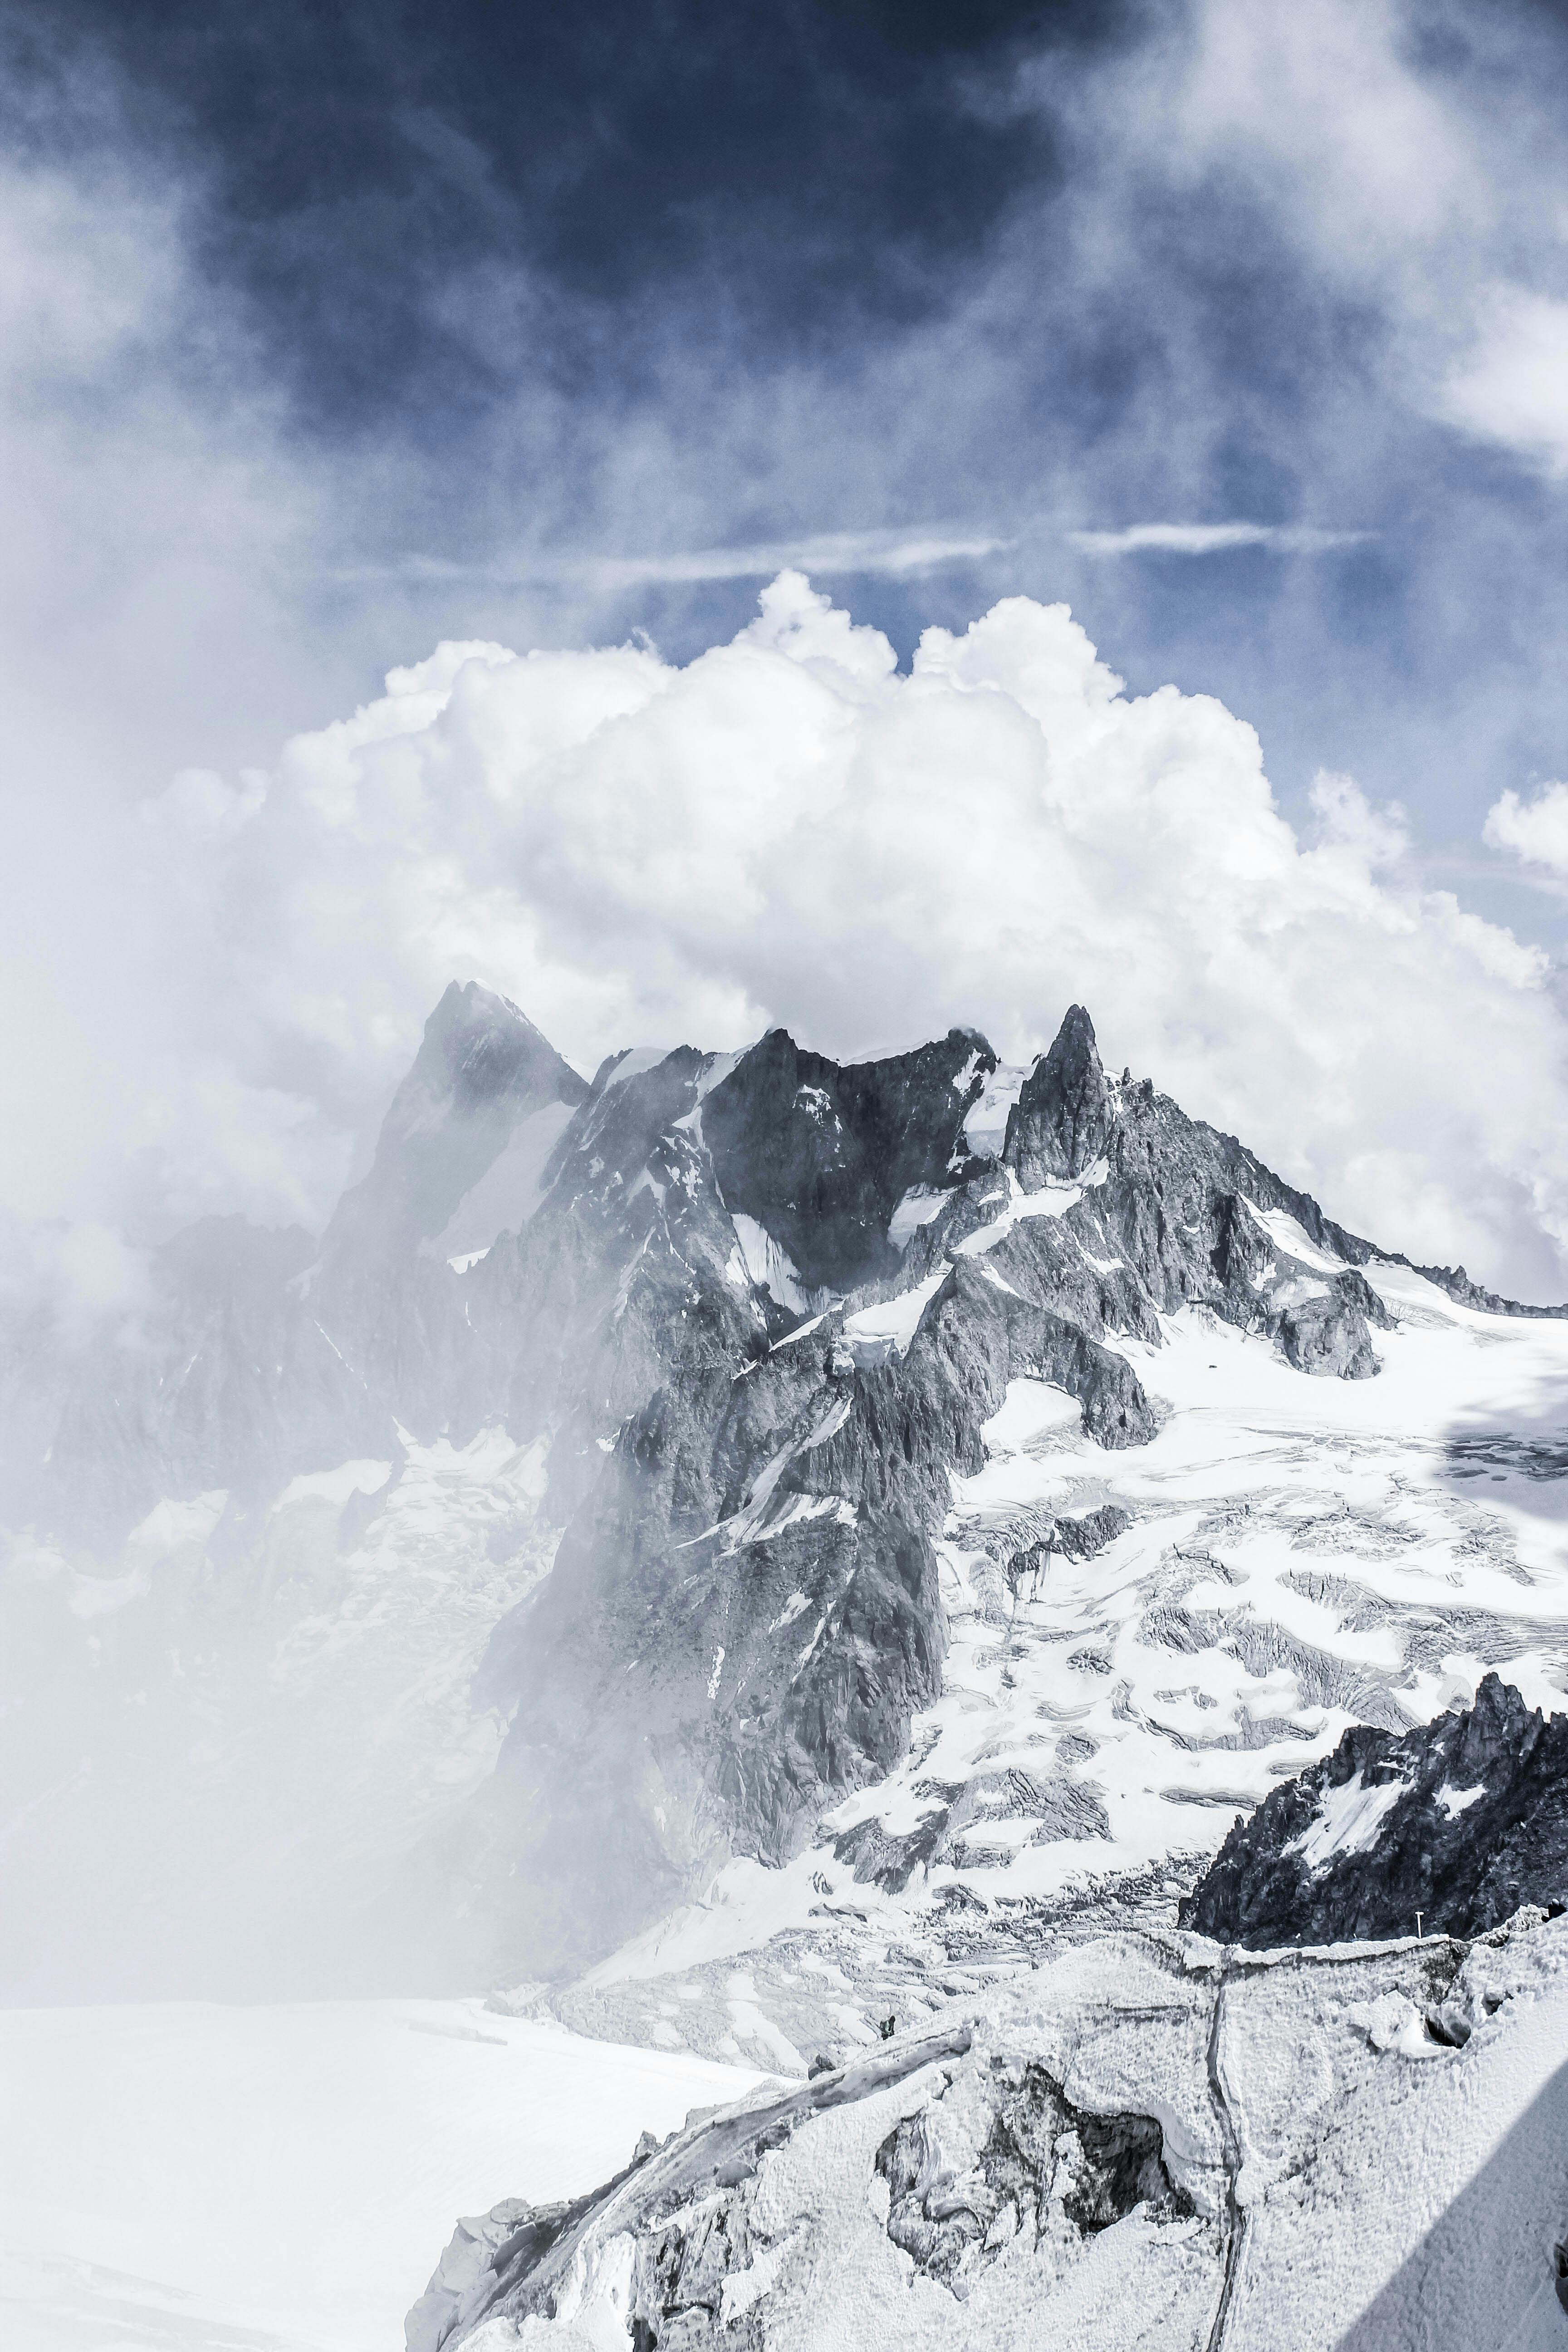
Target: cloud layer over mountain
789 829
1241 333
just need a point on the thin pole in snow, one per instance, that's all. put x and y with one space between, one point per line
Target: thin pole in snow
1418 1926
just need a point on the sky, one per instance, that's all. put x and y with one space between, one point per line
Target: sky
330 337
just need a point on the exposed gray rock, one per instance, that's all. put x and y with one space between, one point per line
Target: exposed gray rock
1458 1286
1046 2167
821 1155
1460 1822
1065 1115
482 1071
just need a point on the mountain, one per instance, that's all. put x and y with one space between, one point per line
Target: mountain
884 1515
776 1487
467 1136
1457 1824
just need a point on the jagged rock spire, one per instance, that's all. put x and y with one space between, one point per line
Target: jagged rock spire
482 1067
1062 1121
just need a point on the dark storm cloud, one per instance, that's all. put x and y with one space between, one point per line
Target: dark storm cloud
804 175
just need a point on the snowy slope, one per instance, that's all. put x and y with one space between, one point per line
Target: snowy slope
202 2179
1148 2143
1301 1555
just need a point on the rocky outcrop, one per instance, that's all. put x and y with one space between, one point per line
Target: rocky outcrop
1066 1114
744 1616
1456 1825
1474 1294
820 1155
1045 2168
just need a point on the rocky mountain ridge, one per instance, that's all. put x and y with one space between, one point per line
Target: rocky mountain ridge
644 1405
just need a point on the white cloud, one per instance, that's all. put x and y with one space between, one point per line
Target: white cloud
788 829
1373 837
898 554
85 1279
1213 539
204 1006
1536 830
1396 168
1511 385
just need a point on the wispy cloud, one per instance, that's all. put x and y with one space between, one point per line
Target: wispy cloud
901 554
1213 539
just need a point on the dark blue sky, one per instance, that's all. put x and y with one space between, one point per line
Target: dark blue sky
520 290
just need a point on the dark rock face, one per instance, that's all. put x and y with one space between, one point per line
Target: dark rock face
1062 1121
1463 1821
821 1156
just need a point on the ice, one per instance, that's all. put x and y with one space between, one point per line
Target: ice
172 1531
173 2177
1014 1203
894 1323
633 1062
1283 1230
918 1207
1459 1800
985 1128
333 1488
1349 1821
800 1331
170 1524
770 1267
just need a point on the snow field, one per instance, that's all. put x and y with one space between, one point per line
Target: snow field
209 2178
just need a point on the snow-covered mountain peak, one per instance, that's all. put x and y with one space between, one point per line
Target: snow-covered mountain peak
904 1473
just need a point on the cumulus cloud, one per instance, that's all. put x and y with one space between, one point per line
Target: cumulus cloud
206 1001
1534 830
789 829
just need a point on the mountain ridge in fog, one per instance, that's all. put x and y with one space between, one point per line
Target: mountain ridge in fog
441 1604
